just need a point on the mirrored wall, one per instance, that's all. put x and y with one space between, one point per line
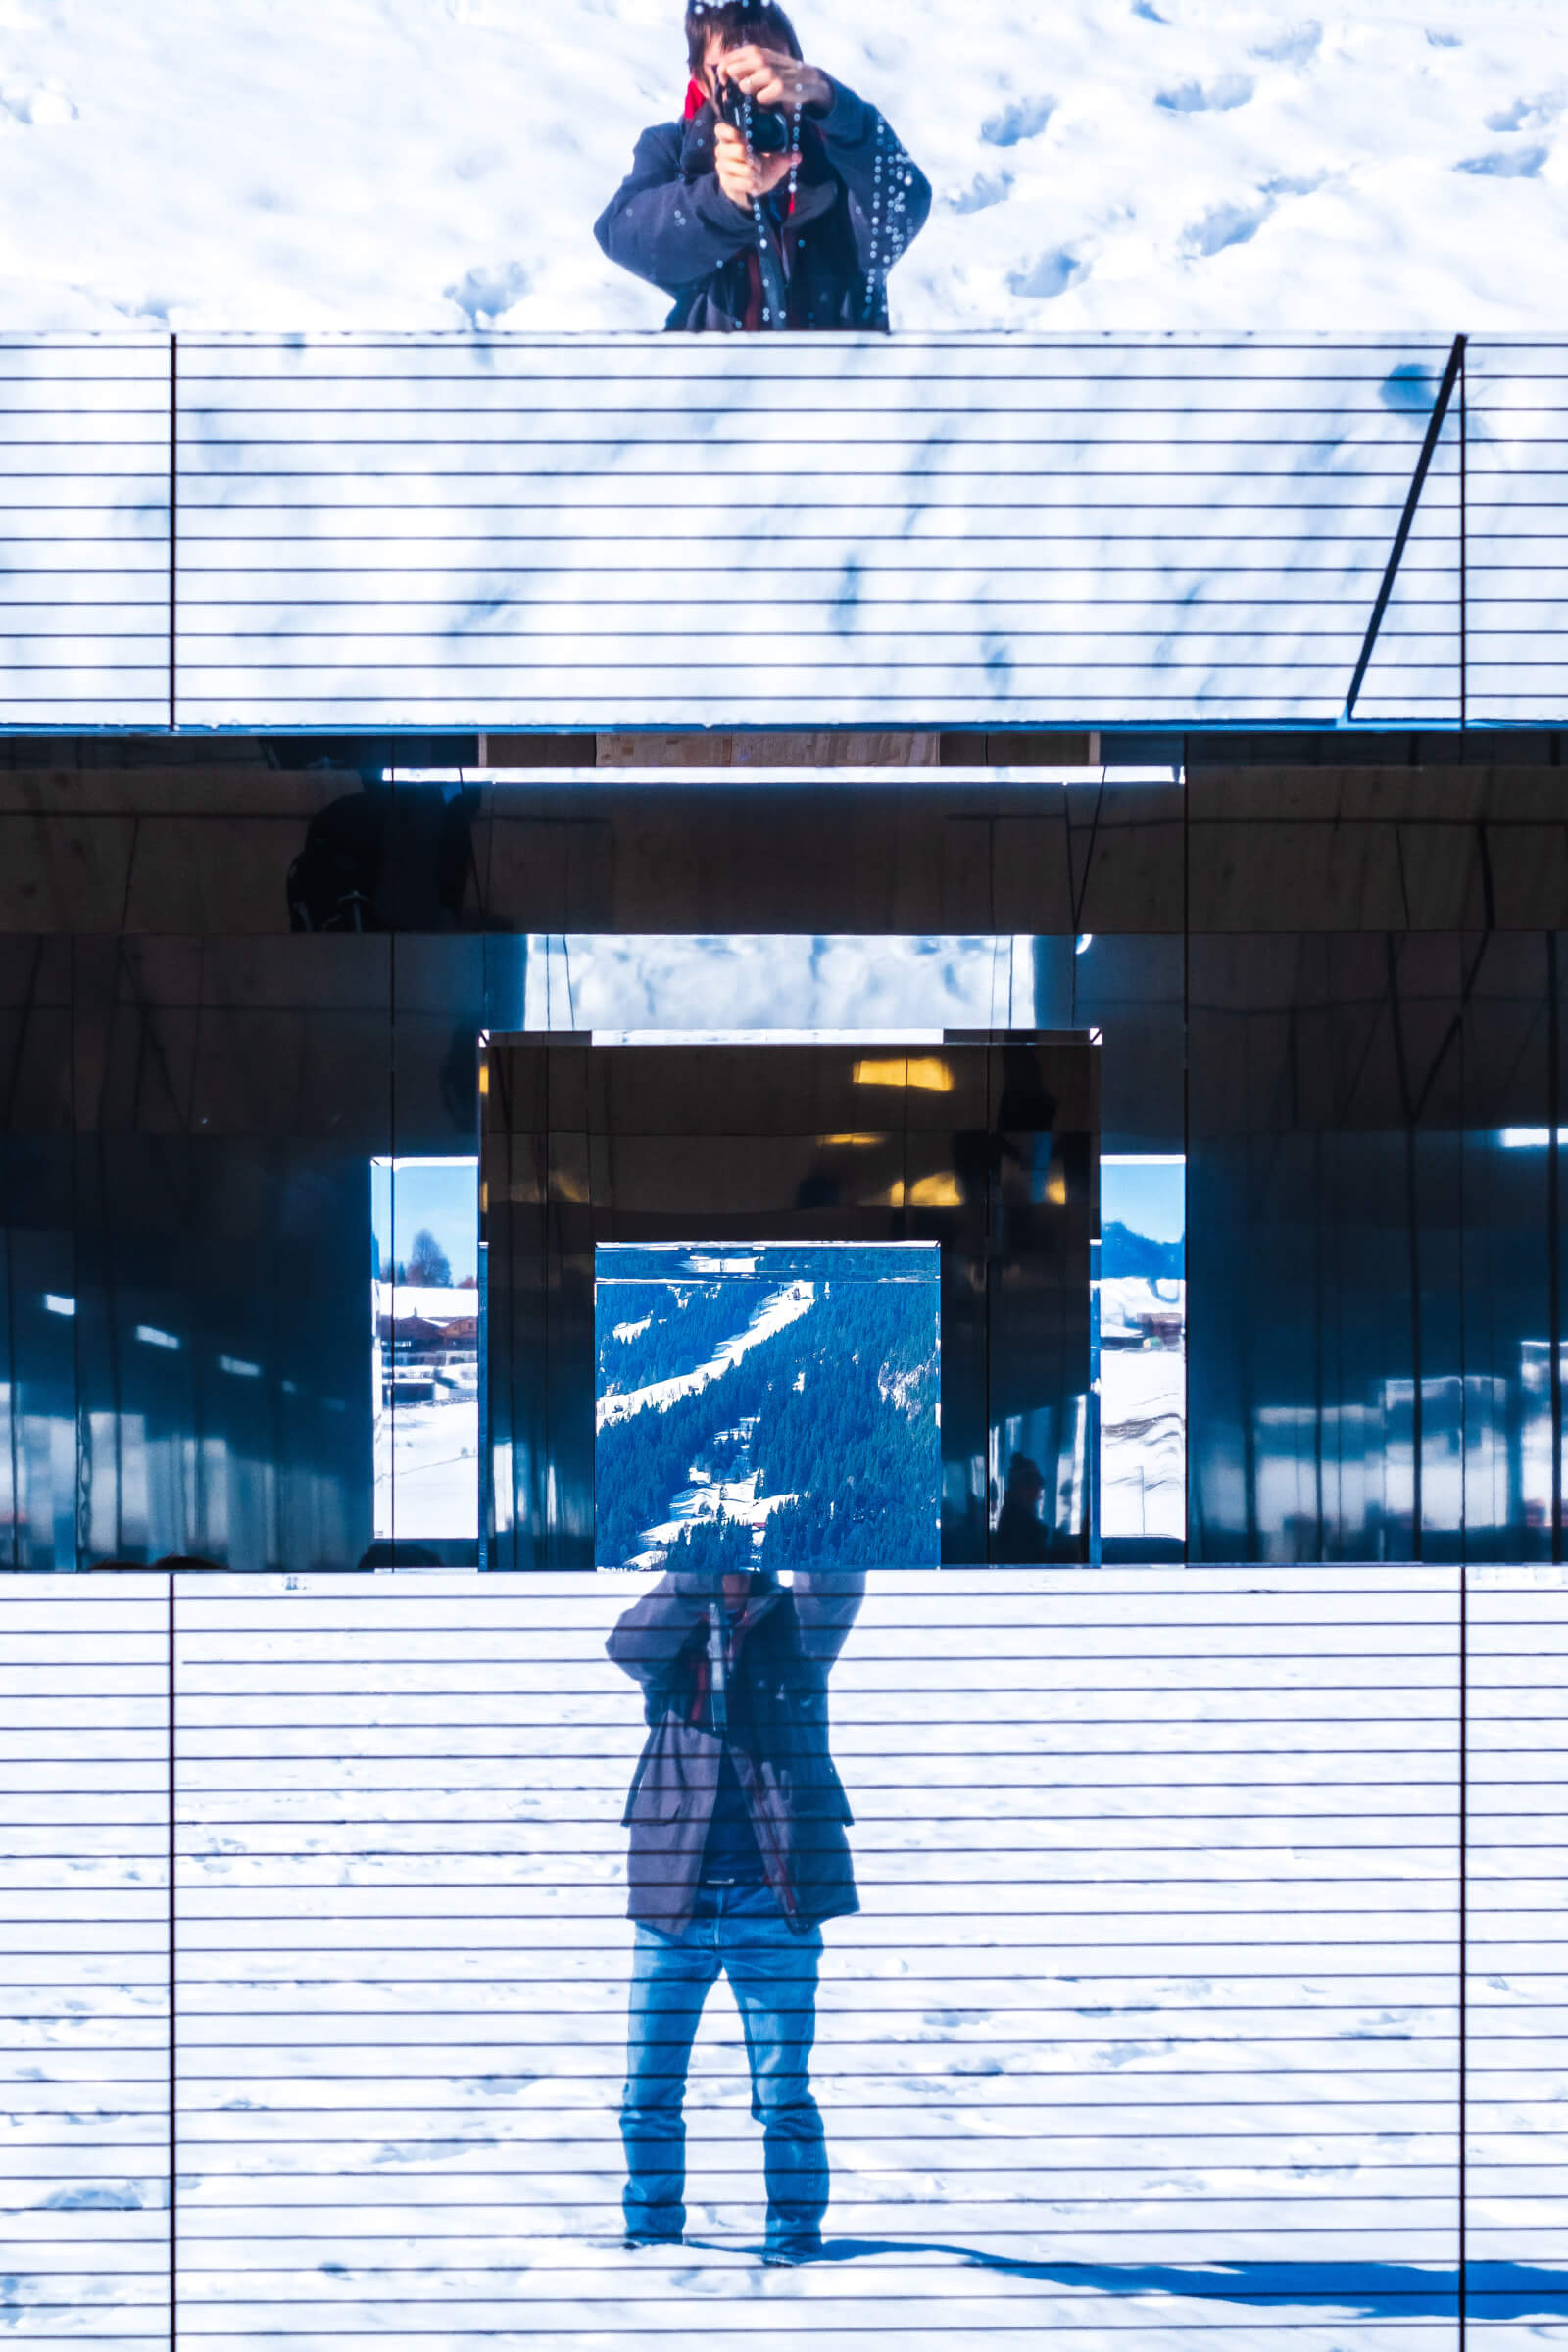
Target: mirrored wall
244 1296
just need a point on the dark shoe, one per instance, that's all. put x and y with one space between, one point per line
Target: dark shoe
789 2257
633 2241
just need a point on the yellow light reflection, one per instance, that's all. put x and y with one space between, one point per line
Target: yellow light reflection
926 1191
1057 1187
858 1141
925 1071
935 1192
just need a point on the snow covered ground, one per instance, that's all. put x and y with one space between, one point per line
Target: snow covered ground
284 163
1143 1442
1147 2020
736 1498
427 1470
1143 1403
428 1454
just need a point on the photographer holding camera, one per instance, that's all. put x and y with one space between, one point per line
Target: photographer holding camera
781 201
737 1853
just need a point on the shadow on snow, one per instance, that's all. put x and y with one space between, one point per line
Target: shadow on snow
1364 2290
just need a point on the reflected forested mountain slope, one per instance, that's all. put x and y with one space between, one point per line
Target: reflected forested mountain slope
785 1422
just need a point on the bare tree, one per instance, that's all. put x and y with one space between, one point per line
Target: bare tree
429 1267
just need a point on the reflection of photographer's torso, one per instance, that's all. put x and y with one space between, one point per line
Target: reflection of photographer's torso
747 1765
781 199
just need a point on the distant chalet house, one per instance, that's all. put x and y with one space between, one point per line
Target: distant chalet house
1136 1313
422 1338
420 1321
430 1354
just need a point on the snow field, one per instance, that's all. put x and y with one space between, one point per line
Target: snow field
427 1470
397 164
1143 1442
1149 2017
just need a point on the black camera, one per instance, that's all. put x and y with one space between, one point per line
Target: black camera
762 127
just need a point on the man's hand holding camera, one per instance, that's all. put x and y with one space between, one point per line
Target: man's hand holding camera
742 175
770 78
776 83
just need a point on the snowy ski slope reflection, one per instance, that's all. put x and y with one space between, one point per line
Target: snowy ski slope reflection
773 1312
1148 2017
829 1456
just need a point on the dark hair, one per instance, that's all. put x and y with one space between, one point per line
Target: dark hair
738 21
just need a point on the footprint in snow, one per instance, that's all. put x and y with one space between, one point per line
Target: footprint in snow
1505 163
1049 276
1024 119
1219 97
46 108
1224 226
1526 114
982 192
1296 47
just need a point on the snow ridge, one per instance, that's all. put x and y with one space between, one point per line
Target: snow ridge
778 1312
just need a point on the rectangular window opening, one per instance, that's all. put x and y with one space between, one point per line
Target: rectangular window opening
1143 1355
426 1312
767 1405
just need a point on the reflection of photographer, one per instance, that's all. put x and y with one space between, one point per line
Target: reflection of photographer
737 1853
1020 1535
781 201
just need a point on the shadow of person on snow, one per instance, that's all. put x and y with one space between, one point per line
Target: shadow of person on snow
1494 2290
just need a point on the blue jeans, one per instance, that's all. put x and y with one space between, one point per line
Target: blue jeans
772 1973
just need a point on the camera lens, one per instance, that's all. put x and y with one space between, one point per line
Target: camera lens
763 128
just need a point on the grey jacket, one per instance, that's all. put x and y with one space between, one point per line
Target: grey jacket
783 1649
